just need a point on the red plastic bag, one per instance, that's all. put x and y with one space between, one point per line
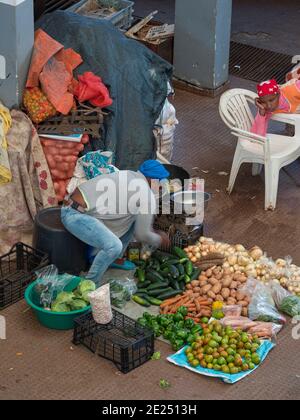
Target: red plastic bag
91 88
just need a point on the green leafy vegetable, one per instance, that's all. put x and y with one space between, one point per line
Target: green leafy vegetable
59 307
78 304
156 356
164 384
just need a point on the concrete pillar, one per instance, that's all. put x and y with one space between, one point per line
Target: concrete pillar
202 42
16 42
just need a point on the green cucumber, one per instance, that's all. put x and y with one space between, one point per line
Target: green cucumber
141 301
175 285
158 285
195 275
141 291
182 285
164 273
143 285
189 268
143 296
170 262
154 276
154 264
157 292
140 274
170 294
154 301
187 279
174 272
162 257
181 269
179 252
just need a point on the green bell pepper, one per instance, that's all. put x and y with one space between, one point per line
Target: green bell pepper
189 323
182 310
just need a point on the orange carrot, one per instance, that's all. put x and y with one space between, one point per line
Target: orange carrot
171 301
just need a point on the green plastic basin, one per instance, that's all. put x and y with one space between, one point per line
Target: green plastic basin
56 320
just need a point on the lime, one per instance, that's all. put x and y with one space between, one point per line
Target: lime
231 352
234 370
195 363
213 344
230 359
225 369
222 361
209 359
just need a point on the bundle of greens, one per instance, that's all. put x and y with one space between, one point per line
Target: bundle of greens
75 300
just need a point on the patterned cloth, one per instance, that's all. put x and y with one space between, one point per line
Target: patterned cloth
97 163
5 124
31 188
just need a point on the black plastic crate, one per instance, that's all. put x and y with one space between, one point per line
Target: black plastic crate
17 269
123 341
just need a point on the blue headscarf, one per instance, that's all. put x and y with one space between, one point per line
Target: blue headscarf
154 170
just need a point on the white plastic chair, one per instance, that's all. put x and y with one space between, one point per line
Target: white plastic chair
273 151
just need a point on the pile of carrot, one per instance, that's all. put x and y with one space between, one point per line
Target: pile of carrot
197 306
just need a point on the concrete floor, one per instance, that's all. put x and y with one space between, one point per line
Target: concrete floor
275 27
37 363
40 364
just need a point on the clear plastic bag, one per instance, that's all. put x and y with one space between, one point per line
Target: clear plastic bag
285 301
49 284
121 292
262 306
101 306
232 310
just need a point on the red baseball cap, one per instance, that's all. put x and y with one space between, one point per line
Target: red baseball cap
269 87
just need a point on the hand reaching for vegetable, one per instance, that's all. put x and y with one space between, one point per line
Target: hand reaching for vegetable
165 240
261 108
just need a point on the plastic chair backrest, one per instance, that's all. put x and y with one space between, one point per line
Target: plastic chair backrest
235 110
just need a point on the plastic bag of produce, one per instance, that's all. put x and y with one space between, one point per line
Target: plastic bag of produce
285 301
232 310
101 306
49 285
121 291
262 306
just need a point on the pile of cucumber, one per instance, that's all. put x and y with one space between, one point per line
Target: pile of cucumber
163 276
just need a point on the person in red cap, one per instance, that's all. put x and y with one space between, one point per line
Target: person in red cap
273 99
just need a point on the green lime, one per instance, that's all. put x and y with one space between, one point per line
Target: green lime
234 370
222 361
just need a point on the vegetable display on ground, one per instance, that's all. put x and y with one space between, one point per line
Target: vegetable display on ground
224 350
163 276
177 328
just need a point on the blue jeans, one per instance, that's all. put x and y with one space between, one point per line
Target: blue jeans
94 233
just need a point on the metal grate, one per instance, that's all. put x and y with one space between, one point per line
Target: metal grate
258 64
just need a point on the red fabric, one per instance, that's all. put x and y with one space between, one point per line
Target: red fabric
44 48
52 66
91 88
269 87
55 80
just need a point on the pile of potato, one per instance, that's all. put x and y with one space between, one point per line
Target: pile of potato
219 284
62 157
252 263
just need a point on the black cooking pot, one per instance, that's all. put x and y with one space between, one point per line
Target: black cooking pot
176 172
